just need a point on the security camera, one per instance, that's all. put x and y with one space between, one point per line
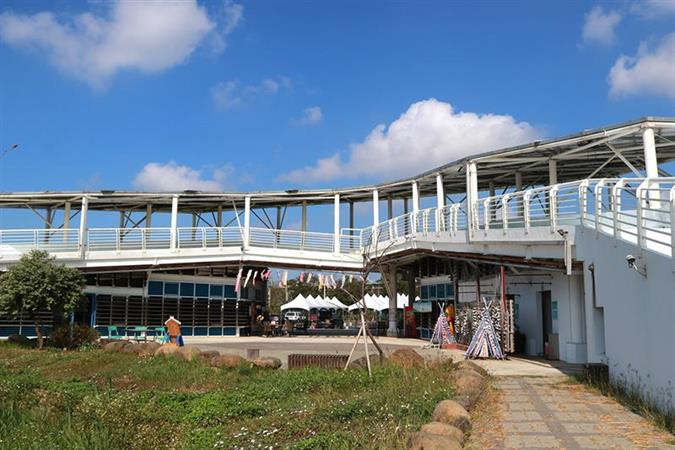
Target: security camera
630 259
632 262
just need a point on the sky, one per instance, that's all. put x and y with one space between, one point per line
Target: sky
225 95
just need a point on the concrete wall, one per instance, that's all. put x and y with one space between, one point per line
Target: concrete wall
633 328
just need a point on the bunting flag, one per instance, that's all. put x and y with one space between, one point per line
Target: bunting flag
237 285
332 282
309 277
351 278
342 283
320 281
248 277
302 277
485 342
285 277
255 275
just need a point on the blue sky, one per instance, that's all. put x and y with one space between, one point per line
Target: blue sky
251 96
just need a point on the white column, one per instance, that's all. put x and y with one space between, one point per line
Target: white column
415 197
336 223
651 164
519 181
552 172
148 215
303 220
391 292
376 207
219 216
440 201
247 220
471 191
66 216
83 224
174 222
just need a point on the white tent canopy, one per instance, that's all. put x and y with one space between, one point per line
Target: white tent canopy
311 302
380 302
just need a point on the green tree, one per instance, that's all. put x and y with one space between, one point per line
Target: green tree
37 284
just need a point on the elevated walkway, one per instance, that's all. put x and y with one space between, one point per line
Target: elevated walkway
535 226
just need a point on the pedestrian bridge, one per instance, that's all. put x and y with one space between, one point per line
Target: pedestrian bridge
531 226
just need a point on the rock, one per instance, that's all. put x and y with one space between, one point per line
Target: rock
146 348
452 413
470 365
209 355
188 352
267 362
468 382
166 350
406 357
18 339
116 346
227 360
428 441
443 429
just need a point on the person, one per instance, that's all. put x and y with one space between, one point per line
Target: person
173 330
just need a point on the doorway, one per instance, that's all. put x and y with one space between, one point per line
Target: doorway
547 320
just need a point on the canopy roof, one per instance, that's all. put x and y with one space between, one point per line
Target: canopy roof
600 152
380 302
311 302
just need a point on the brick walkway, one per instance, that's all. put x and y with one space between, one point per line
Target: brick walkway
546 412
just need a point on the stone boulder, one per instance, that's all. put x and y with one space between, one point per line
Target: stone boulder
470 365
443 429
167 350
188 352
147 348
116 346
468 382
18 339
452 413
228 360
208 355
267 362
406 357
428 441
361 362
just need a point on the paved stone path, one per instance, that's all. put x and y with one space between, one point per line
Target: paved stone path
546 412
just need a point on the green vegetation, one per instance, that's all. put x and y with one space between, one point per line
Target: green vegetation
37 284
90 399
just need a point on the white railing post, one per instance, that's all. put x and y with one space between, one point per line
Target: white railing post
616 206
553 207
486 215
220 236
672 227
118 240
36 239
247 220
82 236
336 224
640 213
203 238
174 223
583 200
144 239
526 210
597 191
505 213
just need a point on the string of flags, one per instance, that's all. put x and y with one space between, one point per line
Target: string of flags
324 280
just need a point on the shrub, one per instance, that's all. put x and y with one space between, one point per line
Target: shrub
74 336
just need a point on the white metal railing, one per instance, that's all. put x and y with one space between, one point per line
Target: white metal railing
54 240
636 210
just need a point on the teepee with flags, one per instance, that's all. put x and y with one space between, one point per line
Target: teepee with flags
485 343
442 334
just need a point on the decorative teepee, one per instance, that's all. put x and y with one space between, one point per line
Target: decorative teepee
485 341
442 333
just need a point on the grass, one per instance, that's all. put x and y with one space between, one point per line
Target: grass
629 391
95 400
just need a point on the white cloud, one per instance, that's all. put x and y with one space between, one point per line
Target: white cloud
174 177
654 9
600 26
230 94
311 116
146 36
430 133
651 71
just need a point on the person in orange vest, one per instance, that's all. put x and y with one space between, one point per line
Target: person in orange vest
173 330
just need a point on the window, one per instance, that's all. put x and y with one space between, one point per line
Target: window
187 289
432 291
450 290
201 290
229 291
425 292
440 291
217 290
155 288
171 289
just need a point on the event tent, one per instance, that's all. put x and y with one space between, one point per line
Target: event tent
311 302
380 302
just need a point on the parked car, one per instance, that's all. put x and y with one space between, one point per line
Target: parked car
293 316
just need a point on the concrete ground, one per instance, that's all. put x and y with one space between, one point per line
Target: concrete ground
281 347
